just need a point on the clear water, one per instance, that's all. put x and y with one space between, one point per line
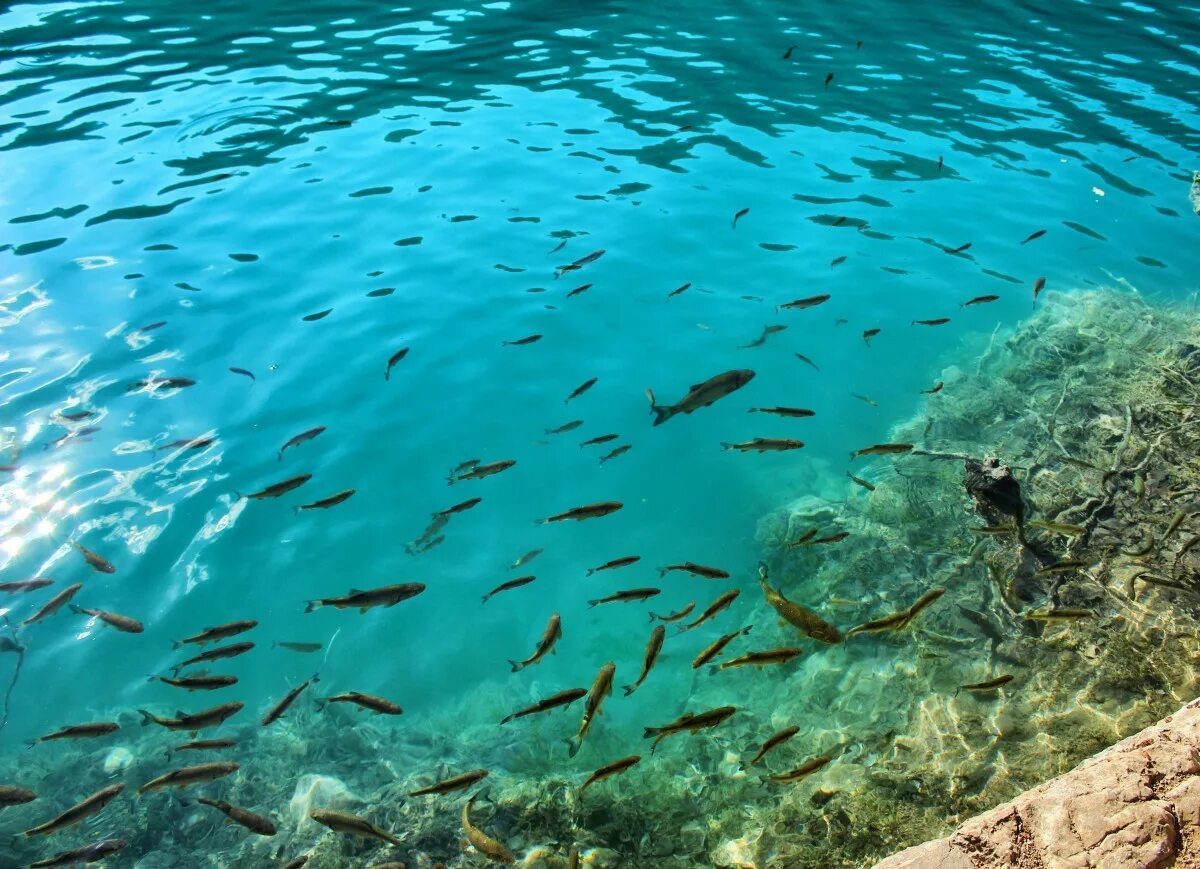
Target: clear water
232 170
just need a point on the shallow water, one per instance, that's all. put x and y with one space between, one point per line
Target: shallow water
228 174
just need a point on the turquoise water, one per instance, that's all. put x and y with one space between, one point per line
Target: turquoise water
229 171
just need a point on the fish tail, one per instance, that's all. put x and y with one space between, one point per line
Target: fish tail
506 719
485 598
311 605
661 413
592 603
726 446
516 665
573 746
650 731
30 743
147 718
591 570
662 571
629 689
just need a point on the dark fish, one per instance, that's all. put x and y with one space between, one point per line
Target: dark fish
550 636
582 288
616 451
23 585
609 770
77 415
696 570
521 342
784 411
579 263
78 812
562 698
506 586
386 596
764 445
478 471
689 723
11 795
722 602
190 775
92 853
739 215
939 162
624 561
937 387
193 723
979 300
788 54
807 361
206 745
230 651
675 616
631 594
244 372
96 561
301 438
804 538
962 248
587 511
352 825
277 489
923 602
808 302
91 730
989 685
1034 235
763 659
653 647
601 688
893 620
831 538
491 848
282 706
378 705
868 486
702 394
331 501
882 450
717 646
559 247
460 507
1067 566
303 648
797 615
319 315
188 444
565 427
599 439
803 771
116 620
1038 286
392 360
452 784
153 383
837 261
774 742
767 332
54 604
243 817
868 334
937 321
682 288
1058 614
198 683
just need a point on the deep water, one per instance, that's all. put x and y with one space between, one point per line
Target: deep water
185 188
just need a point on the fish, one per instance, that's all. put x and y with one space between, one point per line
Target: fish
581 389
565 427
788 54
587 511
866 399
81 811
702 394
995 529
582 288
153 383
352 825
491 848
244 373
934 390
868 334
96 561
10 795
803 771
717 646
609 770
807 302
1057 527
682 288
764 445
77 415
937 321
230 651
81 731
689 723
774 742
923 602
653 647
392 360
1173 526
562 698
331 501
767 332
860 481
805 619
198 721
121 623
616 451
296 862
243 817
304 648
828 79
282 488
722 602
601 688
762 659
205 745
632 594
301 438
188 444
378 705
54 604
1067 566
962 248
450 785
989 685
599 439
190 775
675 616
464 466
623 561
507 586
363 600
550 636
894 620
478 472
20 586
579 263
837 261
882 450
460 507
696 570
980 300
804 538
198 683
806 361
830 538
282 706
91 853
521 342
741 212
1034 236
1058 614
319 315
1038 286
784 411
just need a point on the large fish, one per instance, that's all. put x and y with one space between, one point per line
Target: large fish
702 394
388 595
801 617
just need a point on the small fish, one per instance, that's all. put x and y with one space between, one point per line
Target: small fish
979 300
587 511
282 706
632 594
989 685
1173 525
77 415
91 730
722 602
526 558
196 722
319 315
565 427
767 332
303 648
1054 614
282 488
623 561
675 616
717 646
938 321
774 742
868 334
206 745
1057 527
79 812
188 444
460 507
995 529
152 383
609 770
828 79
1038 286
521 342
939 162
550 636
923 602
1033 236
831 538
689 723
1067 566
243 817
860 481
801 304
582 288
15 796
244 373
331 501
599 439
392 360
378 705
116 620
578 264
581 389
464 466
962 248
457 783
807 361
882 450
23 585
682 288
301 438
803 771
796 615
764 658
804 538
616 451
796 412
739 215
653 647
937 387
601 688
198 683
92 853
562 698
695 570
362 600
894 620
54 604
230 651
788 54
506 586
837 261
479 472
190 775
96 561
491 848
764 445
701 394
352 825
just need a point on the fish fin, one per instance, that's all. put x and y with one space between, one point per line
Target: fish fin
592 603
311 605
573 746
485 598
30 743
629 689
590 571
649 731
179 713
661 413
508 718
177 645
356 591
662 571
516 666
147 718
726 446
